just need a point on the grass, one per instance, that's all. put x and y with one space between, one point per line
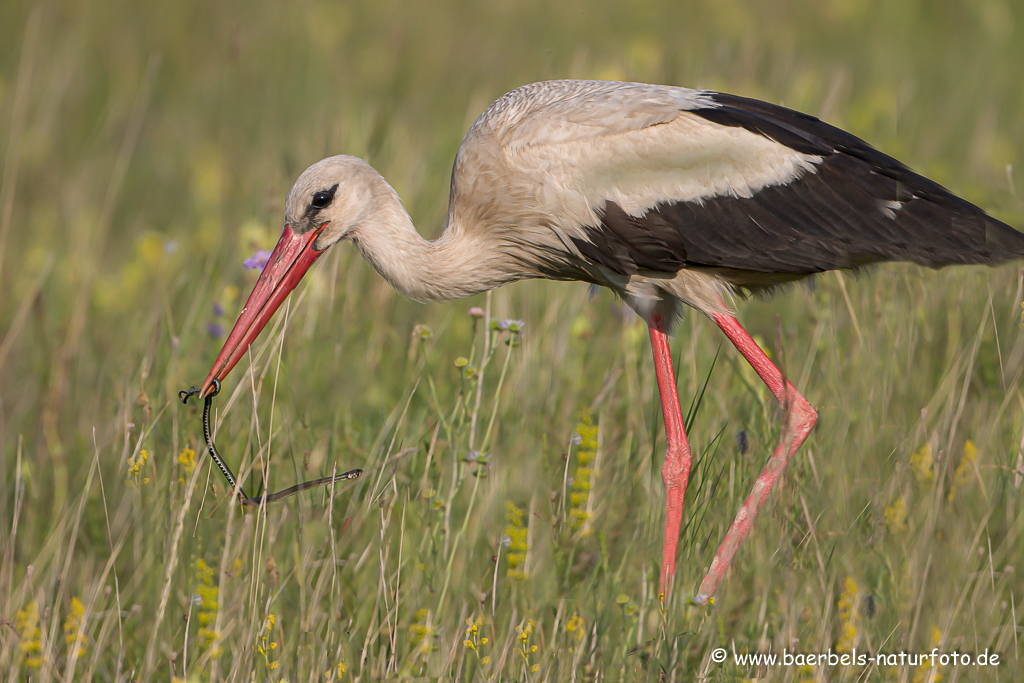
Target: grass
508 524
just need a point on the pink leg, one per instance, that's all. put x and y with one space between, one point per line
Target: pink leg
800 416
675 472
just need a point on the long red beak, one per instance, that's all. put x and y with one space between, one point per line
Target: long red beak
292 257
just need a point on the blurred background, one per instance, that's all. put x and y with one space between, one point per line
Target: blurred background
512 501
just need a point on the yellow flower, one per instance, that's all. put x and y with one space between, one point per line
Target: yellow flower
583 476
963 469
26 622
336 673
264 644
517 538
848 618
187 460
524 648
923 465
575 626
208 597
73 635
473 641
896 517
135 465
423 632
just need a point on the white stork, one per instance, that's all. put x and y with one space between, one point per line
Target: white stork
665 195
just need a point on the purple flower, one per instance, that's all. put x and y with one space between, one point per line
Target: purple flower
257 261
509 325
215 330
218 310
477 457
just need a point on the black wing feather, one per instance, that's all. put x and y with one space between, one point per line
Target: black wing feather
841 216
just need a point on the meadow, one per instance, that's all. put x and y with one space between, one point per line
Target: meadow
508 522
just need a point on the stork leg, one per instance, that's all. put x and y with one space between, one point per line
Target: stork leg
675 471
800 419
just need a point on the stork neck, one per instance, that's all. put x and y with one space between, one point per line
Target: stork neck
453 266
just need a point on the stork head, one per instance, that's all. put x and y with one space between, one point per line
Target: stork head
327 203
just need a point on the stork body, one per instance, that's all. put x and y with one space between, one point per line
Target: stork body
666 195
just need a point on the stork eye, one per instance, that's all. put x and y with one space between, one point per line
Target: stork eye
322 199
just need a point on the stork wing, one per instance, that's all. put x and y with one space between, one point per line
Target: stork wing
655 178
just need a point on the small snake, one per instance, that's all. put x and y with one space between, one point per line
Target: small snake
229 475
